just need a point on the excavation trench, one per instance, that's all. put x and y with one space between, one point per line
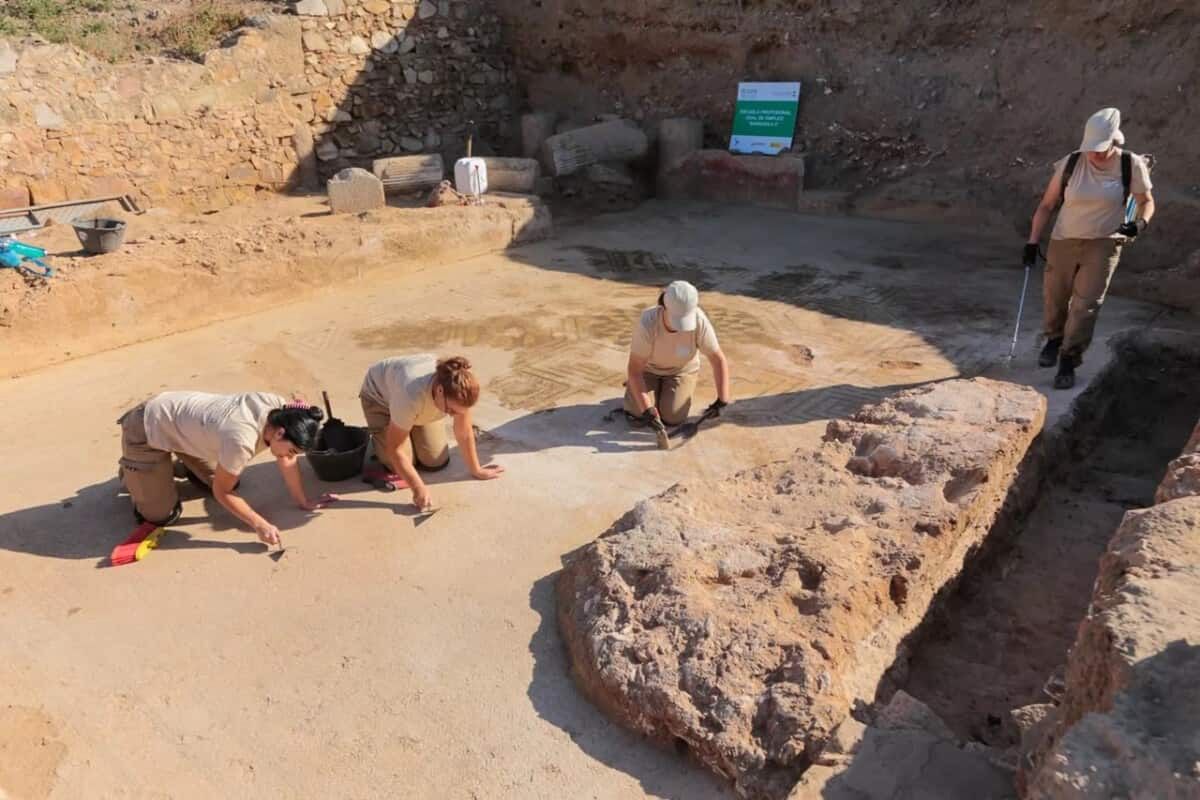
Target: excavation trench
755 619
999 640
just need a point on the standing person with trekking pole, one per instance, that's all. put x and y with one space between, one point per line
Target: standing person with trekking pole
1093 186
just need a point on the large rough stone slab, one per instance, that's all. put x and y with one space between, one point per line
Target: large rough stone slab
306 156
1183 474
616 140
311 8
907 752
1131 711
719 176
47 118
14 197
8 58
512 174
678 138
410 173
536 128
315 42
746 617
354 190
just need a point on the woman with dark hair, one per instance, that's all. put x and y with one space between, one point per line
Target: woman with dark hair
214 437
404 400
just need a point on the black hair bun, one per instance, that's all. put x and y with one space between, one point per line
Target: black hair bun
315 413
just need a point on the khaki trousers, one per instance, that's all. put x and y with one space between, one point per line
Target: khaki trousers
672 395
202 469
1077 275
147 474
432 449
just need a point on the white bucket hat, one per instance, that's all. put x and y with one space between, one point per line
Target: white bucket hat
1103 130
681 301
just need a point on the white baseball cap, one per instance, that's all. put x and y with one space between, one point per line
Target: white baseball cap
1103 130
681 300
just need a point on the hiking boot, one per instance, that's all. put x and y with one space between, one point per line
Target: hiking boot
1049 354
378 476
1065 378
176 513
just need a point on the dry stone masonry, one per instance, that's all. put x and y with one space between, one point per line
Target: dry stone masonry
291 100
168 131
396 77
747 617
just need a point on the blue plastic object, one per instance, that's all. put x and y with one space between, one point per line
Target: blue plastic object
27 250
19 256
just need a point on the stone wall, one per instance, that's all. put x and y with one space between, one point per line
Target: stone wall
287 100
395 77
1126 726
170 132
923 111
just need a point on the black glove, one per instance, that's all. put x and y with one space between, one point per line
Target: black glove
1029 256
714 408
1130 230
651 418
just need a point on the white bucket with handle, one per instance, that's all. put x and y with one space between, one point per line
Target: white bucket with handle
470 176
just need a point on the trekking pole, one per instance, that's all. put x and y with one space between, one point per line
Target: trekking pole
1012 350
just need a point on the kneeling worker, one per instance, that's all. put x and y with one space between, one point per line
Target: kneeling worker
404 401
664 361
214 436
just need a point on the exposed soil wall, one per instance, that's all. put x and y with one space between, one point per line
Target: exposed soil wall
168 131
1126 723
985 655
285 101
924 108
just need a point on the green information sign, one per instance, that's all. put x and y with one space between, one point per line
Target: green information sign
764 120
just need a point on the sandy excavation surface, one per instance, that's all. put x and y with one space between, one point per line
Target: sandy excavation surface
377 658
181 270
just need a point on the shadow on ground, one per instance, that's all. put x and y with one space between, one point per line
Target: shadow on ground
90 523
874 271
556 700
602 426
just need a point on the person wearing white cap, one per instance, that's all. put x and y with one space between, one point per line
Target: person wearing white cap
1093 186
664 361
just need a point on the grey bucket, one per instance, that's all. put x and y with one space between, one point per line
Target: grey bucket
100 235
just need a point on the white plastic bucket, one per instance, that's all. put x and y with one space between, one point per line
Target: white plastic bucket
470 176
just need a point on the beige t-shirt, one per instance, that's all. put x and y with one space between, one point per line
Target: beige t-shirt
222 429
405 385
669 353
1095 198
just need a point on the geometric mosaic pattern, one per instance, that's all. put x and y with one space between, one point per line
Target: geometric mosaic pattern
557 356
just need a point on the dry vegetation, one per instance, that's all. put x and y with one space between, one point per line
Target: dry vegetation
118 30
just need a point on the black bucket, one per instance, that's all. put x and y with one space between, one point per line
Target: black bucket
100 235
333 466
